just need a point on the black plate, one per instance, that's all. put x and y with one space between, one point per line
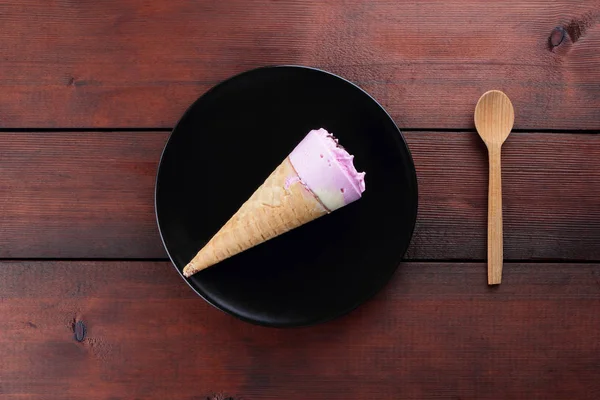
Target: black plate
224 147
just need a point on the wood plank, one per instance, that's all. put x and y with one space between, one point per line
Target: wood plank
68 195
436 331
550 189
90 195
132 63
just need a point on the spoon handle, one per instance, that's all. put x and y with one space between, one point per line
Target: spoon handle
495 241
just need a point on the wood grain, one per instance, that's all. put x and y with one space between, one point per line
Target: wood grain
79 195
133 63
550 196
90 195
436 331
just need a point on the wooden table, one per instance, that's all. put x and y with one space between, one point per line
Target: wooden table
89 91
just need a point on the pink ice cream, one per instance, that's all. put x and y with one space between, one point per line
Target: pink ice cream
327 169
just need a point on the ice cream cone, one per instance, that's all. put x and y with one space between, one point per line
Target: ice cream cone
316 178
280 204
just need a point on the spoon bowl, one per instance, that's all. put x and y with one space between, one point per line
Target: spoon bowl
494 117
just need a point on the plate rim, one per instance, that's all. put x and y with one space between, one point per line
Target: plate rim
314 321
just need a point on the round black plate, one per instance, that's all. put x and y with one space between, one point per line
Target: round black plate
224 147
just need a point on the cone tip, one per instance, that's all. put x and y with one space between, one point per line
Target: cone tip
188 271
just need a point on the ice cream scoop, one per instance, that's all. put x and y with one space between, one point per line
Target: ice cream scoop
318 177
327 169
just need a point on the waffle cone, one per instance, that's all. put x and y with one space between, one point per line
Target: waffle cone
280 204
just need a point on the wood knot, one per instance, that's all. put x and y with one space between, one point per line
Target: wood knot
577 27
79 331
220 397
556 36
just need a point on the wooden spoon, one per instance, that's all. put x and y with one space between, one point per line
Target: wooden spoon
494 119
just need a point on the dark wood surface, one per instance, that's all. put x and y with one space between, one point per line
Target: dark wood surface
134 63
91 309
436 331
